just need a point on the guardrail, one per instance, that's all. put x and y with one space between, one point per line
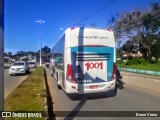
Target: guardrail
140 71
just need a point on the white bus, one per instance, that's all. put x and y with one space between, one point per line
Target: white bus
84 61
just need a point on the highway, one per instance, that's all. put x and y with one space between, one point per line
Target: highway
12 82
140 93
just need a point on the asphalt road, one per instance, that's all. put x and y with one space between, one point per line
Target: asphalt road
141 93
11 82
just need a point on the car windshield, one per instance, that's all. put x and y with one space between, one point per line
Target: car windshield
18 64
31 62
47 61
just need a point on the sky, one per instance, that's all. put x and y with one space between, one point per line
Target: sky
22 33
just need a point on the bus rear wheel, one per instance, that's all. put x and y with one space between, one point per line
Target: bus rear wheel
114 92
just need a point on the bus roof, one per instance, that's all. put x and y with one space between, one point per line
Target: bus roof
97 36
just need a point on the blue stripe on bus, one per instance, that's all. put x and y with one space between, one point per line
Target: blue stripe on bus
97 50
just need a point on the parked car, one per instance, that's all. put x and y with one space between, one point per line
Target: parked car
32 64
47 63
19 67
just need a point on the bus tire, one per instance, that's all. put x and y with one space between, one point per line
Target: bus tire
58 85
113 93
51 72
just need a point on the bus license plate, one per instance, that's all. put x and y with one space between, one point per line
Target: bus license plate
94 87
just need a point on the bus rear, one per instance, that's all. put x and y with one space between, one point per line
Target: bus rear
91 67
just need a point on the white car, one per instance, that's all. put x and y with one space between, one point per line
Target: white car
32 64
19 67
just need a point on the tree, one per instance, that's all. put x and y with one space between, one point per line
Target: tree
9 54
31 53
128 46
25 59
21 53
140 27
46 50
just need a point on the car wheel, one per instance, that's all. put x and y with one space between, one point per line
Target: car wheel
11 74
28 71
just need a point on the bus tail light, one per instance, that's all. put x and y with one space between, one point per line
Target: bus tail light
110 30
72 28
70 76
114 72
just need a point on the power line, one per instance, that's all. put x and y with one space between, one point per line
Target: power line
96 12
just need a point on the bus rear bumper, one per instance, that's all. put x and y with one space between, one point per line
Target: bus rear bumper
73 88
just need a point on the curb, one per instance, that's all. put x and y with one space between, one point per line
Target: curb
140 71
48 101
45 101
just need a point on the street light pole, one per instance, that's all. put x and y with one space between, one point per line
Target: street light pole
40 54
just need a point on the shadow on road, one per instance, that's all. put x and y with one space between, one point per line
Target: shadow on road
83 99
76 110
51 114
92 96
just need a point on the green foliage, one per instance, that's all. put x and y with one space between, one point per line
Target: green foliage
119 62
29 95
148 66
25 59
141 29
136 61
46 49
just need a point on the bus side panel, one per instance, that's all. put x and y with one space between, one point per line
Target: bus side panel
67 60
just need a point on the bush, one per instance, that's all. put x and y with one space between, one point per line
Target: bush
136 61
143 61
119 62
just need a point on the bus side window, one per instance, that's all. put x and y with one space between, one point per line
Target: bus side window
58 60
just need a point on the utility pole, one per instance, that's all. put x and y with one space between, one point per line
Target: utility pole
40 54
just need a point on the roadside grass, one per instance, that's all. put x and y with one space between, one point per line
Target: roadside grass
28 96
152 67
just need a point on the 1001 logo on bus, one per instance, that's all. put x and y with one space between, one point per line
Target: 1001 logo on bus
97 65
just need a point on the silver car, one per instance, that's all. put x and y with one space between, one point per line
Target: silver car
19 67
32 64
